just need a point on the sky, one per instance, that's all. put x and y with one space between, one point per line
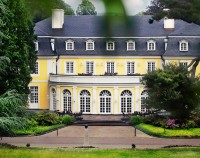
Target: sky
132 6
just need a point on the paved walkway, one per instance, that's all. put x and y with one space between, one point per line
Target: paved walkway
98 136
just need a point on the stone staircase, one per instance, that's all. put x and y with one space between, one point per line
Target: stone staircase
102 120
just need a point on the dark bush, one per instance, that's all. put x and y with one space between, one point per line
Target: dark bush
195 116
47 118
31 115
67 120
136 120
159 121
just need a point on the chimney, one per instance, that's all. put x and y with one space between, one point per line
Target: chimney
57 18
169 24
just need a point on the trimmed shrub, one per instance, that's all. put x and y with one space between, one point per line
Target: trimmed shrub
190 124
67 120
47 118
136 120
32 123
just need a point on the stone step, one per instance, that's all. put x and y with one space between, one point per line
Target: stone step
101 123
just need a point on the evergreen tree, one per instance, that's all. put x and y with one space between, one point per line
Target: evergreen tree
18 46
86 8
41 9
11 103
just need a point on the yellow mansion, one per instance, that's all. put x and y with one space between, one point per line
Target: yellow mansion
79 68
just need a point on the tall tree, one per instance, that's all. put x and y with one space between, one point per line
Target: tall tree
86 8
174 90
18 45
40 10
187 10
11 103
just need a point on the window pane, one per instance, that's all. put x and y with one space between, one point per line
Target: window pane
34 94
89 67
151 66
110 67
130 67
69 67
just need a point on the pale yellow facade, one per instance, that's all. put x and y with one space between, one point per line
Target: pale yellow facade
46 80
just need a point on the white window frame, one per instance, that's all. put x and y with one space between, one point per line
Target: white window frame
151 45
34 104
183 48
89 67
71 63
109 64
143 97
125 97
130 48
110 47
66 95
89 45
152 63
34 95
54 100
131 68
84 97
106 97
69 45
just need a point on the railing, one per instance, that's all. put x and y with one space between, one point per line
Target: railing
95 79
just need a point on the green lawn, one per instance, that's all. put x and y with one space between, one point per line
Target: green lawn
105 153
161 132
38 130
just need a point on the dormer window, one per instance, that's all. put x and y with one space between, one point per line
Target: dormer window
69 45
183 46
52 44
89 45
151 45
130 45
110 45
36 46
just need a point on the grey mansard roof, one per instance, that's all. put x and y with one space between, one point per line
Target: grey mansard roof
81 28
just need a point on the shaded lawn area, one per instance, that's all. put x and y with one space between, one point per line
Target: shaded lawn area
161 132
38 130
94 153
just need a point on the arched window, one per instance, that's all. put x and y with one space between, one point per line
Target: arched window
126 101
110 45
130 45
144 96
151 45
69 45
105 101
85 101
183 45
67 100
89 45
54 99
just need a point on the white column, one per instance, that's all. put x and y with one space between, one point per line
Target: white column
58 66
137 99
74 109
116 102
58 103
94 107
